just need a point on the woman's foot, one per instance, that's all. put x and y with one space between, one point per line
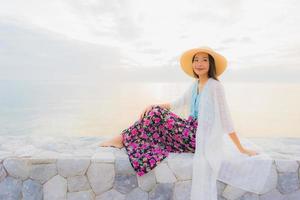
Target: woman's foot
110 144
114 142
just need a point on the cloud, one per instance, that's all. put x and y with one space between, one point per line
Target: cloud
153 34
106 17
30 52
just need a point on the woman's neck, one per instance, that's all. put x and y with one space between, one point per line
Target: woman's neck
201 83
202 79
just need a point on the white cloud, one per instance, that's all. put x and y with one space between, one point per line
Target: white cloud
251 34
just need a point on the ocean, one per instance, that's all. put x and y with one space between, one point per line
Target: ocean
54 108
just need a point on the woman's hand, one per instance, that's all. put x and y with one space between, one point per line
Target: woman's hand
249 152
145 111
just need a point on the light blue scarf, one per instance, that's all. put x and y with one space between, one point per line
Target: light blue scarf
195 101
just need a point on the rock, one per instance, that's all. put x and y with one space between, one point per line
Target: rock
3 173
111 195
72 167
43 172
182 190
121 153
45 160
286 165
231 192
106 149
32 190
220 198
55 188
164 174
220 187
293 196
249 196
147 181
10 188
137 193
101 176
273 194
182 166
125 183
288 182
17 167
78 183
162 191
51 155
82 195
103 157
83 152
271 182
109 173
123 166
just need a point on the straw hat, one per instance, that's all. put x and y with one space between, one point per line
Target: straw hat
186 60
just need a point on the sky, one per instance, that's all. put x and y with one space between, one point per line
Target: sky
143 40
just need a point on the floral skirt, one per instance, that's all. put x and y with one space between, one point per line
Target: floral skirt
149 140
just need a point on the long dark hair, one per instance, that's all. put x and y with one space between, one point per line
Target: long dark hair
212 68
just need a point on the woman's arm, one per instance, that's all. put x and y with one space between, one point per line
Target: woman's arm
165 105
181 100
236 141
227 121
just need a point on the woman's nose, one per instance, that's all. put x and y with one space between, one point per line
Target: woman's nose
199 61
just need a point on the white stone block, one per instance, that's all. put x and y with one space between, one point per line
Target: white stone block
287 165
82 195
2 172
164 174
17 167
137 193
78 183
72 167
293 196
272 195
147 181
42 172
182 166
104 157
55 188
272 179
182 190
111 195
232 193
101 177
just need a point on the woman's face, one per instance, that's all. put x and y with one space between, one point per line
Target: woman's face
201 64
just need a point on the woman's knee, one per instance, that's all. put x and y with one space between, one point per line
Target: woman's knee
154 112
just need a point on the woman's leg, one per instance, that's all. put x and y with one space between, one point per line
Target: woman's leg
150 140
114 142
117 141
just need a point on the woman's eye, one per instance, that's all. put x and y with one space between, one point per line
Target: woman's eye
197 60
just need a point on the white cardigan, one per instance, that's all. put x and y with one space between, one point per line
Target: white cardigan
216 156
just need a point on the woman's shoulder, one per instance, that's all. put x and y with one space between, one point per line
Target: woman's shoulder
216 84
192 84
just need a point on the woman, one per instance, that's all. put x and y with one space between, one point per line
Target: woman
160 131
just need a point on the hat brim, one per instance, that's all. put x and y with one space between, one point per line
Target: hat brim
186 60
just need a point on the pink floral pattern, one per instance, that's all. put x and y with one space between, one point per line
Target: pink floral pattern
150 140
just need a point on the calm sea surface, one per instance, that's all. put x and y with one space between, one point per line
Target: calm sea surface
103 109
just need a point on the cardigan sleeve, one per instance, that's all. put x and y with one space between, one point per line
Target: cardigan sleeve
183 99
225 115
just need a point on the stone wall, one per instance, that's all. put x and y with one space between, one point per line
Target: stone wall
107 175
